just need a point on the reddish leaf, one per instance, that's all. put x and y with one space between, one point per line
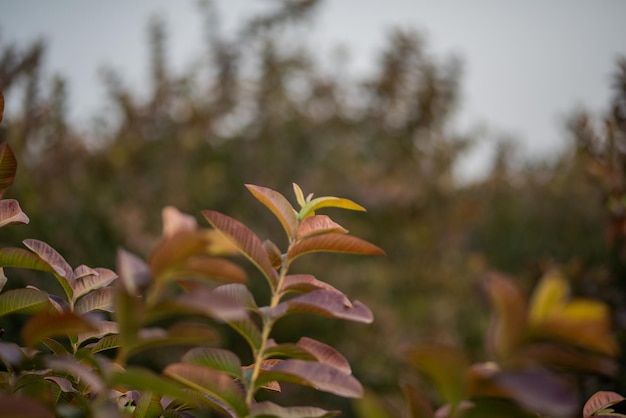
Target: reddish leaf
91 279
305 283
273 253
326 303
509 320
318 375
63 271
47 324
11 213
217 385
15 406
326 354
318 224
213 304
202 266
333 242
271 410
279 205
8 167
172 251
134 273
102 328
238 292
246 242
97 300
562 357
599 401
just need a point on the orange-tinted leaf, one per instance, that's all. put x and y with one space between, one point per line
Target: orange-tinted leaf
246 242
273 252
91 279
318 224
133 272
599 401
271 410
318 375
47 324
509 318
11 213
333 242
219 386
326 303
8 167
279 205
216 359
446 366
175 221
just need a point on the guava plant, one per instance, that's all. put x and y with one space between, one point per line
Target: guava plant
79 353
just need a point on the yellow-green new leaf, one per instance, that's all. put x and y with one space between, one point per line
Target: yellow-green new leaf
279 205
328 202
299 195
551 293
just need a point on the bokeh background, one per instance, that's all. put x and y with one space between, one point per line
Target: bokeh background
481 136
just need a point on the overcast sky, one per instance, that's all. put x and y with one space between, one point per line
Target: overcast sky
527 64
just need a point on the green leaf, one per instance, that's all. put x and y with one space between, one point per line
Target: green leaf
107 343
21 258
11 213
371 406
8 165
279 205
327 202
23 301
325 303
216 359
271 410
88 281
138 378
299 195
54 346
446 366
47 324
148 406
317 375
130 313
97 300
245 241
219 386
333 242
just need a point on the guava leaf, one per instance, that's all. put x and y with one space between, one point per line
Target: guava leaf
97 300
318 224
320 376
11 213
305 283
325 303
138 378
327 202
246 242
62 270
333 242
216 359
599 401
417 406
133 272
208 267
71 365
23 301
47 324
271 410
239 293
279 205
85 282
8 167
108 342
218 385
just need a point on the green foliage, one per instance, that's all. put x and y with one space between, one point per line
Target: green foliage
77 358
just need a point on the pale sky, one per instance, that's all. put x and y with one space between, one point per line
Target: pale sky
527 64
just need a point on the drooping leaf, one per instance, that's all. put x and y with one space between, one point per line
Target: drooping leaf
249 331
95 279
599 401
54 346
216 359
246 242
133 272
559 356
318 224
23 301
108 342
63 384
138 378
333 242
219 386
97 300
45 324
271 410
11 213
279 205
76 368
326 303
327 202
324 353
273 252
317 375
446 367
8 167
289 350
102 328
509 318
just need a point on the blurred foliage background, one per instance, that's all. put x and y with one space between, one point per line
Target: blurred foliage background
262 111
